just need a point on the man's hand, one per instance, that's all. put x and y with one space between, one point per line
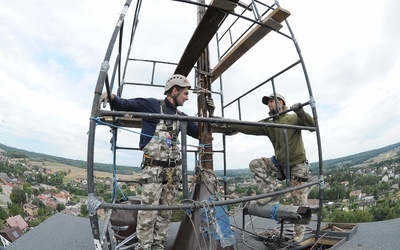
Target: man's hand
223 127
211 106
104 99
296 107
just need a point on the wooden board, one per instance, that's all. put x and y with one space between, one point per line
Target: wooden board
273 20
201 37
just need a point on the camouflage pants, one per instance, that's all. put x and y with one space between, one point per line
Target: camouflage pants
266 175
152 225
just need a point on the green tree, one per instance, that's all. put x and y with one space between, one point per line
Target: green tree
380 211
326 215
36 192
362 216
84 210
392 214
314 193
3 214
60 207
15 209
39 203
27 189
18 196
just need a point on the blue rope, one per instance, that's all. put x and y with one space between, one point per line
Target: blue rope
117 187
274 211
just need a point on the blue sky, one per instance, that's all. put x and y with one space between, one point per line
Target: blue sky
51 55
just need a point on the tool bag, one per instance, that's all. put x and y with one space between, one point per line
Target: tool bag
123 222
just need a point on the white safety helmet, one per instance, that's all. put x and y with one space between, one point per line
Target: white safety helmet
176 80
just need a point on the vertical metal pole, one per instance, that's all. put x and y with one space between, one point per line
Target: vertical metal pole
114 150
203 65
287 161
183 127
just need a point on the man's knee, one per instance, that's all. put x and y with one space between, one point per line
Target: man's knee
256 165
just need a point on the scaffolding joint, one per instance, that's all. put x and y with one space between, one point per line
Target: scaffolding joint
105 66
93 204
312 102
322 182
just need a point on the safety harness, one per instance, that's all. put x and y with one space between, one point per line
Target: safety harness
283 173
169 137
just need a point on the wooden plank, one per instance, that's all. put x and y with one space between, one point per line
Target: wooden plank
205 31
224 4
273 20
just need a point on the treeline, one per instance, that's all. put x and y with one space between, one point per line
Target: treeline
384 210
355 159
15 153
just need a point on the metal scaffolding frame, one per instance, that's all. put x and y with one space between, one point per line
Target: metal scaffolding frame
265 18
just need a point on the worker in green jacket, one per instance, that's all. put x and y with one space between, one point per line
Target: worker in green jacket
267 171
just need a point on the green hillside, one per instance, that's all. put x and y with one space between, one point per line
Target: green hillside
355 159
19 153
350 160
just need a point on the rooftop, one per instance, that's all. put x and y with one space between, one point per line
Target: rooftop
69 232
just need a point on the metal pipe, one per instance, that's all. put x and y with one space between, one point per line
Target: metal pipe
201 204
278 212
183 128
197 119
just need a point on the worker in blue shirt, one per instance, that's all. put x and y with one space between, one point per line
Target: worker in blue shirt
161 164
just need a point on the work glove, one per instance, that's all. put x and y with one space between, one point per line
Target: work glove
296 107
226 128
211 105
104 99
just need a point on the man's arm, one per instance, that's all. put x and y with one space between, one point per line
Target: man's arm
250 130
303 117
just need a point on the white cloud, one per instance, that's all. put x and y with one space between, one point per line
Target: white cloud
52 55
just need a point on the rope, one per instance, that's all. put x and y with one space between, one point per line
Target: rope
199 90
209 212
274 211
117 187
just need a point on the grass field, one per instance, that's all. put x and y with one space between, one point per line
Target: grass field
75 172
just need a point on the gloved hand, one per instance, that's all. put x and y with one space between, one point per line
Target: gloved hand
104 99
296 107
211 105
224 127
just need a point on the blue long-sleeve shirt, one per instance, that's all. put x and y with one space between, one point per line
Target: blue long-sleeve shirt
150 105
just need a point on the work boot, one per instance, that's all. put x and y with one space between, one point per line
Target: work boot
137 247
299 231
157 245
140 247
299 238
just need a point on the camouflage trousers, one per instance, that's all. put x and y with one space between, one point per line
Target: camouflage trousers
266 175
161 189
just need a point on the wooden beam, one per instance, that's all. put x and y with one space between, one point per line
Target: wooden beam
273 21
203 34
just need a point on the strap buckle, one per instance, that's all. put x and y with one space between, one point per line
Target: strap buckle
172 163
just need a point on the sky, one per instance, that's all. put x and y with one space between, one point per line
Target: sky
51 55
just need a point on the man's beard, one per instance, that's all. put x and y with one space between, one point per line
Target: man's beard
273 111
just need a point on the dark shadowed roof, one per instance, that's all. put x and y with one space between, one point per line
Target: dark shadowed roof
69 232
59 232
